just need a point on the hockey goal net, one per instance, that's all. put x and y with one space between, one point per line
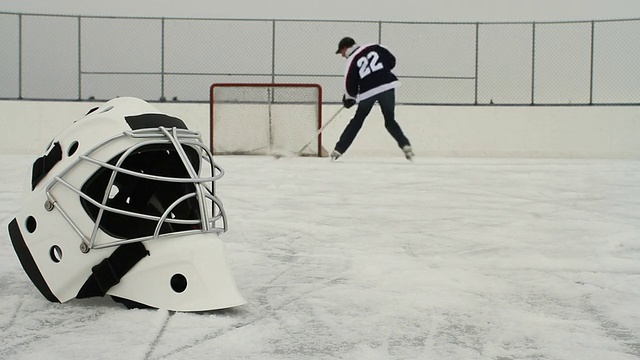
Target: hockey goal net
266 119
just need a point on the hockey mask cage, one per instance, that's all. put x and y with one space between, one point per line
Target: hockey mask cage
154 188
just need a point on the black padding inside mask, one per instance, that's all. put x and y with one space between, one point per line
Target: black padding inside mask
27 261
144 196
146 121
45 163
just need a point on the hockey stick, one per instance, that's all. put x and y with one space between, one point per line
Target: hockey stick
299 152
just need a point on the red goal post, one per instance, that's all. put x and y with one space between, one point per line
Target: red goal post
265 119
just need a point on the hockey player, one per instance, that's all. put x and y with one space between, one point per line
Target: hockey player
368 79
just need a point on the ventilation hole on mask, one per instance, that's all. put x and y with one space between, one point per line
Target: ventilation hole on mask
114 191
106 109
178 283
72 148
56 253
92 110
31 224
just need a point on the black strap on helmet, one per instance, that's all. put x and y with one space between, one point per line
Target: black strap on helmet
45 163
110 270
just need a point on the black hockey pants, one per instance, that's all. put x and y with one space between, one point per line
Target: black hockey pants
387 101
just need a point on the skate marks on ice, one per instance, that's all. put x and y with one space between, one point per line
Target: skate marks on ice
380 259
284 283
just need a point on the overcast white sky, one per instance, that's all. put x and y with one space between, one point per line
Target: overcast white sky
398 10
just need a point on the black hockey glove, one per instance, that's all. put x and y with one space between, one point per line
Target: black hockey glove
348 102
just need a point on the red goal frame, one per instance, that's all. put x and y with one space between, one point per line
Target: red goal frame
275 85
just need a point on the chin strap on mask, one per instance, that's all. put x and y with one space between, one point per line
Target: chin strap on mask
110 270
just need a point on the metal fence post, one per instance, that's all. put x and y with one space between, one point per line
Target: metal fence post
162 69
79 57
273 51
475 101
533 62
591 71
20 56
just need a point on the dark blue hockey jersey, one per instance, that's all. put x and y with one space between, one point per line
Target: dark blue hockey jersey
369 73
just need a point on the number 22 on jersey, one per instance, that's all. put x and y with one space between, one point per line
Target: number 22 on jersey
368 64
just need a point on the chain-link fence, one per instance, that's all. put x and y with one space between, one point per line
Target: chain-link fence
53 57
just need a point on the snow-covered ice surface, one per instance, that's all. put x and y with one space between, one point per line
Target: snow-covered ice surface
380 258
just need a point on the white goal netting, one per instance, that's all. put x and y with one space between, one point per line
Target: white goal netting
266 119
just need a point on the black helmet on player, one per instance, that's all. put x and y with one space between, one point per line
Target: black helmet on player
122 203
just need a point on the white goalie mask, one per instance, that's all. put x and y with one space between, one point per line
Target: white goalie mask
122 203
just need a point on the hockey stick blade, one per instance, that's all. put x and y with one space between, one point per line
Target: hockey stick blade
335 116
